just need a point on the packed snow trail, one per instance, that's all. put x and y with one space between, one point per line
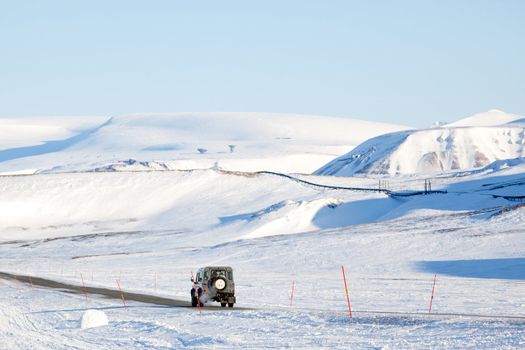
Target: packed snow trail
106 292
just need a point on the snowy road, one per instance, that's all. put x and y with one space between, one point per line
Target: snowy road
163 301
105 292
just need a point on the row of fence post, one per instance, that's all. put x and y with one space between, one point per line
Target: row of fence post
348 294
293 287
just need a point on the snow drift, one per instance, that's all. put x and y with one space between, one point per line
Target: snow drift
93 318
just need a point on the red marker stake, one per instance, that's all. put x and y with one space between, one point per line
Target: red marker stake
31 281
291 296
346 290
121 294
432 296
84 286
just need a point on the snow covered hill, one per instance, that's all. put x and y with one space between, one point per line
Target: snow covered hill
223 206
471 143
234 141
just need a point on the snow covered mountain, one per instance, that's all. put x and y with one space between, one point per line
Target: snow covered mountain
470 143
233 141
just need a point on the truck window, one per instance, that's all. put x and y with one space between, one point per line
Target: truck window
199 278
230 275
206 275
218 273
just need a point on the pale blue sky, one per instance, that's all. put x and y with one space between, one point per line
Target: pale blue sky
407 62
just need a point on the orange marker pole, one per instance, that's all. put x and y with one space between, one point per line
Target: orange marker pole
31 281
346 290
121 293
432 296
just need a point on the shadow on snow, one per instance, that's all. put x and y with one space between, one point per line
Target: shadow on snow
504 268
46 147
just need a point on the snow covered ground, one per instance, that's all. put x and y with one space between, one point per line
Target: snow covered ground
45 320
150 229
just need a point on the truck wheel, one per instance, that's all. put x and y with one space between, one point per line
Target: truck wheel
194 301
230 304
223 304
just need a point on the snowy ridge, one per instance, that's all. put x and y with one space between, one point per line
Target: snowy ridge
490 118
515 165
429 151
233 141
